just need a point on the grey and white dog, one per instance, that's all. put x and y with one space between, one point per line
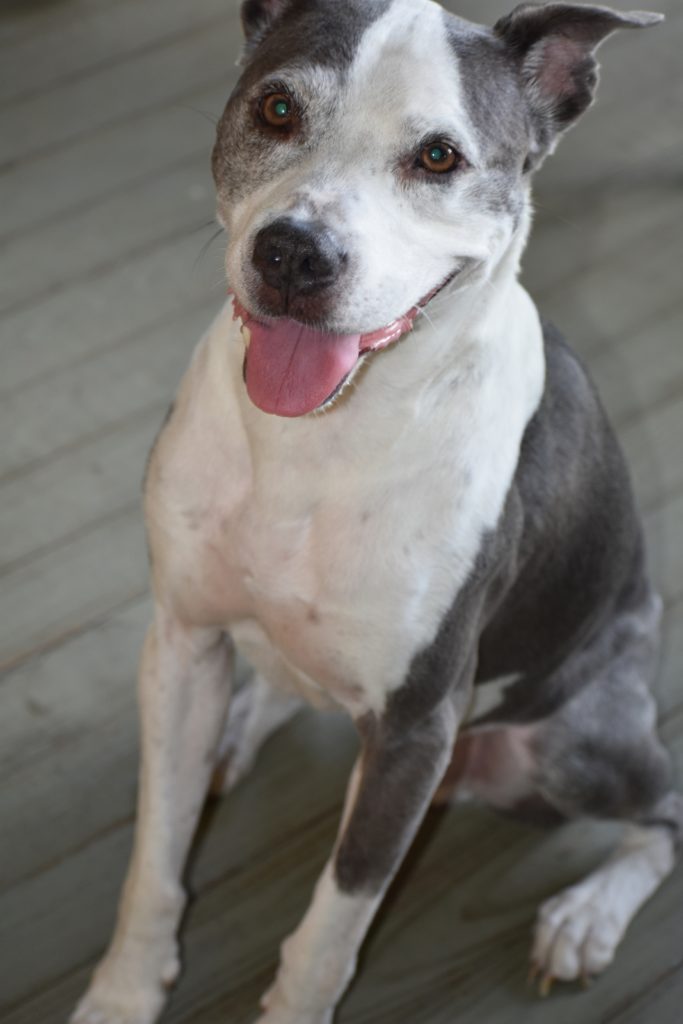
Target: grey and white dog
384 481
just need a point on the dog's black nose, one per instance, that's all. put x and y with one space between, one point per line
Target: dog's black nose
297 258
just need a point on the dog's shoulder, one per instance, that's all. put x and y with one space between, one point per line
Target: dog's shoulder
575 538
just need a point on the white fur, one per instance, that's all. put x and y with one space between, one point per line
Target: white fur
330 546
578 932
184 691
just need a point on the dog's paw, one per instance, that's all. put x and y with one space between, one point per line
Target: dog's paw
278 1010
102 1007
120 995
576 937
283 1015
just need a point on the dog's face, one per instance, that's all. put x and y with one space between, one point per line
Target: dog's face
372 151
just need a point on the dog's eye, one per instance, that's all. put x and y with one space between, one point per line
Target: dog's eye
277 110
439 157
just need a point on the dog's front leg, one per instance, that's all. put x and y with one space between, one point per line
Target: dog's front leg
397 773
184 692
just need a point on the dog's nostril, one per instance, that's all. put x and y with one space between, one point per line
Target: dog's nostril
297 257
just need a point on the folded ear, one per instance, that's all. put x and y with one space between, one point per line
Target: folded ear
258 17
554 45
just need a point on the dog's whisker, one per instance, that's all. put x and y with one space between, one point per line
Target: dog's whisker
211 118
205 248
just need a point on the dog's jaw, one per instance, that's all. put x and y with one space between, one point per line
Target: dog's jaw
298 369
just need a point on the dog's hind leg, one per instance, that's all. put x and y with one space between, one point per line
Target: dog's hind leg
597 756
620 775
577 932
256 712
184 693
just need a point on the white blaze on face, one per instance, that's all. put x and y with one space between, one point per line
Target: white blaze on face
407 235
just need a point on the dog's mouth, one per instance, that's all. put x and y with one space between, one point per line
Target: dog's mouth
291 369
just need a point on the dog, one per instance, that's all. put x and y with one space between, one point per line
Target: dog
383 481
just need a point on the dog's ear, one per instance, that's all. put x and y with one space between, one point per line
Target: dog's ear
258 17
554 45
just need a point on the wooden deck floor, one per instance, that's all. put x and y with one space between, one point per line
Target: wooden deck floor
106 111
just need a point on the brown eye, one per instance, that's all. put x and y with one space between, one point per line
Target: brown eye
439 157
277 110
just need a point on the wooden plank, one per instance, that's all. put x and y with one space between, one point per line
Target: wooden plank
669 685
146 293
661 1001
96 395
119 228
641 371
663 530
107 34
576 232
65 495
122 154
147 82
652 446
21 19
69 726
69 588
631 289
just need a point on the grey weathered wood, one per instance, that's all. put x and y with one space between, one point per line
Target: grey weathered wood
641 372
152 80
79 320
121 154
101 391
74 585
105 37
160 207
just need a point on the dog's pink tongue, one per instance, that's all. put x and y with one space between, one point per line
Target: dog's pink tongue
292 369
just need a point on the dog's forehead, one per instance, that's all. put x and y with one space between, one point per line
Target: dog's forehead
405 66
406 61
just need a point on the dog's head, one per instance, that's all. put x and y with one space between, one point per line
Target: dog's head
373 151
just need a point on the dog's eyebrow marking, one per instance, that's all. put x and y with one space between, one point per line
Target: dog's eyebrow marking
490 93
392 53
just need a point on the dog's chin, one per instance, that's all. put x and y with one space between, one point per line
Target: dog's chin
292 368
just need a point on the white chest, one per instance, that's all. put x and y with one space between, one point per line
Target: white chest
331 546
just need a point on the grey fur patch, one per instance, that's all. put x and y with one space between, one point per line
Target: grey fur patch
307 34
497 110
325 33
399 774
403 749
579 559
492 91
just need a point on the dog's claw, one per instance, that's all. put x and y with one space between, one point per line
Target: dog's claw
546 986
